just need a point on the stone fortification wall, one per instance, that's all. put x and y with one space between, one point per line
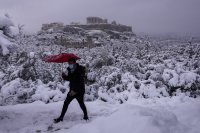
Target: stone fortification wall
119 28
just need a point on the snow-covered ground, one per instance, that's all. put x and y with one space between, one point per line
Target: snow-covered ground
179 114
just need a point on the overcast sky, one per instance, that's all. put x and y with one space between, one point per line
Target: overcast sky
151 16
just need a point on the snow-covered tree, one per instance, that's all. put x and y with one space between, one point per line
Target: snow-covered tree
5 35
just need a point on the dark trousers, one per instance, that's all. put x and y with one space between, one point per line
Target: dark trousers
79 98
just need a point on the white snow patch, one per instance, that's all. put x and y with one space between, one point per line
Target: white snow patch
32 54
11 88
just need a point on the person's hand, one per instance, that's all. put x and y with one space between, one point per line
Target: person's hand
72 93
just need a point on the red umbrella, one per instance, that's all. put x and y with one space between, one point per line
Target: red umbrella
60 58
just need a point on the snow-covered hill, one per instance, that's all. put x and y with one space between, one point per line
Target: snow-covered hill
115 71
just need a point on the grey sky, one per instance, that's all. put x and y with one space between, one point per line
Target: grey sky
152 16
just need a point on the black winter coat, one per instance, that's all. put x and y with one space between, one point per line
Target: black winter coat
76 79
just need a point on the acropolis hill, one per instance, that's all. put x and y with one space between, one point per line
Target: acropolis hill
93 23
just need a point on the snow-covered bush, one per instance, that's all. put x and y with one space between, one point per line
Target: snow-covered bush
20 91
12 92
116 71
51 92
5 23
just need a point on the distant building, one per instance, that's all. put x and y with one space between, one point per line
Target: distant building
75 23
53 26
105 27
105 21
114 22
93 23
96 20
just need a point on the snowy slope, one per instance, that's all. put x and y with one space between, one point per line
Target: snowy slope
176 115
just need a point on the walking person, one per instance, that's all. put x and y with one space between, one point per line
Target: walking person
76 75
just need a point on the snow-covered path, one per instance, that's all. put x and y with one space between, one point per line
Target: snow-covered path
165 115
38 117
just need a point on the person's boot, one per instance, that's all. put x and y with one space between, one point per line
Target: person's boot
86 118
59 119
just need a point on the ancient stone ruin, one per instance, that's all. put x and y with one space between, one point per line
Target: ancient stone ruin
90 34
93 23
